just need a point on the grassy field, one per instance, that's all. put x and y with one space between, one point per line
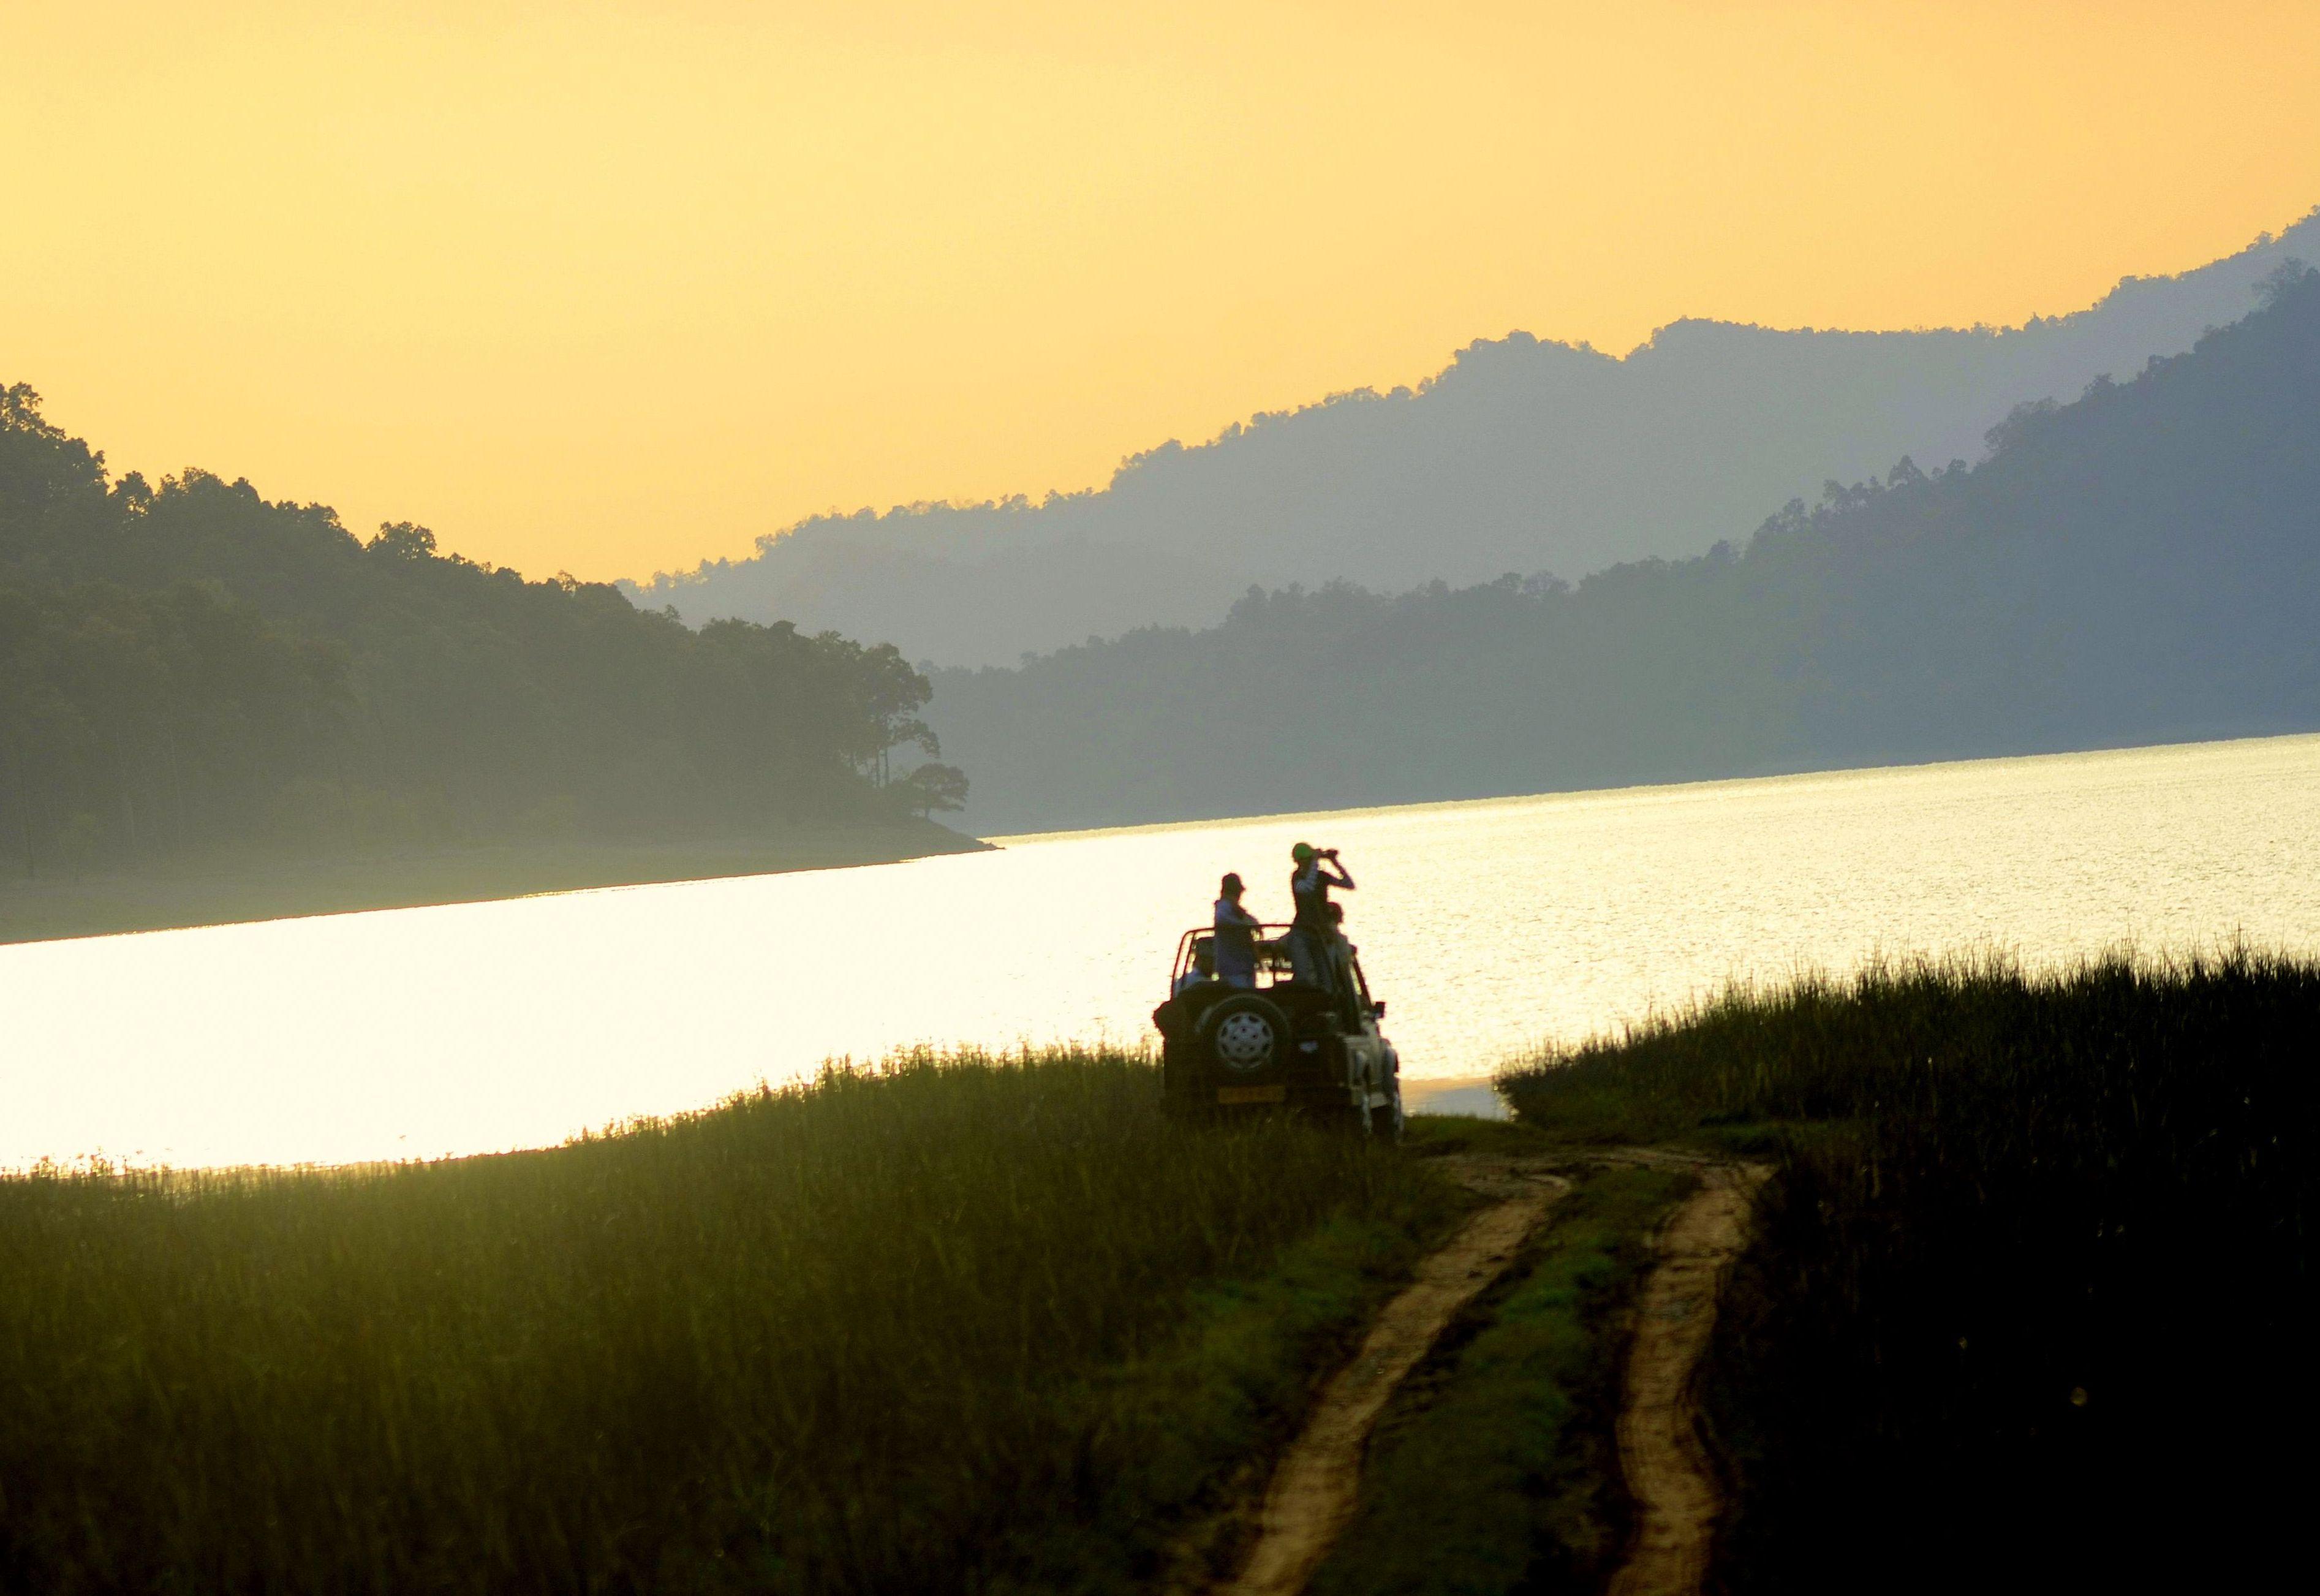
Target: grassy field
253 885
2032 1301
2029 1307
965 1325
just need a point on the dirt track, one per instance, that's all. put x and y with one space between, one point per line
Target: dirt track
1678 1499
1313 1489
1669 1474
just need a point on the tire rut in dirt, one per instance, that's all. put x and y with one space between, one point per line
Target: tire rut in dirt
1678 1495
1317 1482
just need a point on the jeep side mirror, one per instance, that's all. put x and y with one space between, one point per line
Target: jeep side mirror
1378 1008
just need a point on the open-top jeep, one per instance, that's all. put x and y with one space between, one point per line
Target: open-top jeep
1282 1044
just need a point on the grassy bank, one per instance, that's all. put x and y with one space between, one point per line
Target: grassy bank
256 885
2031 1301
989 1325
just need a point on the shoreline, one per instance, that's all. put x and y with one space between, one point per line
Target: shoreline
235 892
1464 1097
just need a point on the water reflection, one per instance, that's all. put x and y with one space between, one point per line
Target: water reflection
419 1032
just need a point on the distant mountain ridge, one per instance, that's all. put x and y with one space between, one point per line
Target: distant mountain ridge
2140 566
1521 456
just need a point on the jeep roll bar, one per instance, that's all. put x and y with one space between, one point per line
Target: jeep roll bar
1273 964
1272 958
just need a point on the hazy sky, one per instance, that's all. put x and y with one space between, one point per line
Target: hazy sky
612 286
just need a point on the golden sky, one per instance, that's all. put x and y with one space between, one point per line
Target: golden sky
611 286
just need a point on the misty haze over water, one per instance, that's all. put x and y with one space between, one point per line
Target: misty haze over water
1487 926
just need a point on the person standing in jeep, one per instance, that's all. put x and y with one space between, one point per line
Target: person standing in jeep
1309 886
1233 940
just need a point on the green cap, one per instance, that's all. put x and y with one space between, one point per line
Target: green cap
1303 852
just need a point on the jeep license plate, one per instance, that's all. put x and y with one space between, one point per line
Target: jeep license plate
1226 1094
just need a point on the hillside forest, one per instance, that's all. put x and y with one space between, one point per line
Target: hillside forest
1523 454
2140 566
189 667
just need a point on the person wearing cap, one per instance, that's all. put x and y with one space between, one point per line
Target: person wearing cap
1233 943
1310 932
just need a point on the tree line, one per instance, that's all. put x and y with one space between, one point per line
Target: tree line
2140 566
190 666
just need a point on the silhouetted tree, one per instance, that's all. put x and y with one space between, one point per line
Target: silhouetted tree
932 787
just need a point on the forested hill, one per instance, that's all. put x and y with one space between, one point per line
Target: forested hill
2143 565
190 666
1521 456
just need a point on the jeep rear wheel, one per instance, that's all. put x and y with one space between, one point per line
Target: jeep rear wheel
1245 1036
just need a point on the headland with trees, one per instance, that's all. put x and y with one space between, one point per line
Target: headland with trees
217 706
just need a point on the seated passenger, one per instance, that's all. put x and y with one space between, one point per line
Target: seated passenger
1234 937
1338 958
1199 972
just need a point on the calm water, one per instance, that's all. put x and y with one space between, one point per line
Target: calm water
1487 926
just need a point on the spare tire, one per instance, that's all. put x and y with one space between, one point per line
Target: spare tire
1247 1035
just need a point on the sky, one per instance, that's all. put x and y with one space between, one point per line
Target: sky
610 286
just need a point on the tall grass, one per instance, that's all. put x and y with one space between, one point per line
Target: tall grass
959 1324
2032 1302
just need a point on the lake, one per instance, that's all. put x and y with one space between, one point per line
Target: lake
1489 927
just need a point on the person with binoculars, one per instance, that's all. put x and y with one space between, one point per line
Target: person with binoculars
1318 869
